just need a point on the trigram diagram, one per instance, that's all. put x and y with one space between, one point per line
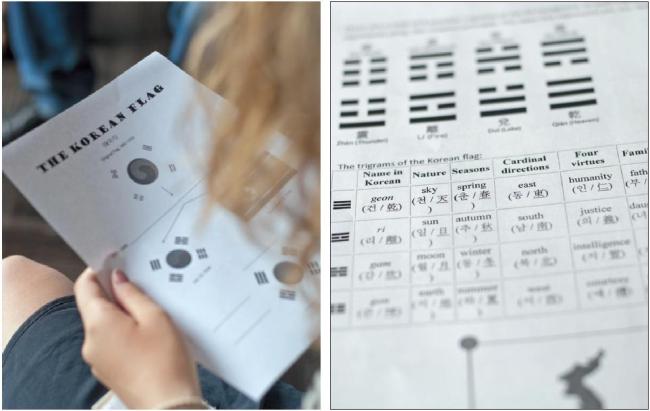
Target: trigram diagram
178 259
339 271
572 92
502 100
337 308
563 49
432 107
497 56
367 68
501 90
341 204
286 274
431 75
362 113
431 63
340 237
569 82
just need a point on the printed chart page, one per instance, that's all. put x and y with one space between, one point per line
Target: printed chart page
119 176
489 190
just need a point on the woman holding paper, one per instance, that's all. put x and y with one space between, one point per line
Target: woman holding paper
65 351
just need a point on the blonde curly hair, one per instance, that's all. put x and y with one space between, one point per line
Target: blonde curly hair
264 59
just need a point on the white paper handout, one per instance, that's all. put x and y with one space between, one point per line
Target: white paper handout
120 175
489 232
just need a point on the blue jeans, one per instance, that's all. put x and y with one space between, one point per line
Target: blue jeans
49 41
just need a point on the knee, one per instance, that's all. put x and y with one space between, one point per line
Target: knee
12 266
27 286
19 273
16 274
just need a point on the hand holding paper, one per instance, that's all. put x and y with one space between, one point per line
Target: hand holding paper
132 345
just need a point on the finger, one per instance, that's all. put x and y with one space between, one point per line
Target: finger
131 298
87 288
88 294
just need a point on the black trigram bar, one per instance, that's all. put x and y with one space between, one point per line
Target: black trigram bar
503 112
180 240
342 204
432 95
431 55
501 100
432 119
573 104
571 92
565 41
155 264
146 147
261 278
314 268
202 253
568 81
175 278
363 124
340 237
288 294
339 271
567 51
337 308
497 58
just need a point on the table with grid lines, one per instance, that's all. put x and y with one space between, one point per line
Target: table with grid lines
490 238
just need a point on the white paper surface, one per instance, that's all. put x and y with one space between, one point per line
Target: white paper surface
130 186
489 205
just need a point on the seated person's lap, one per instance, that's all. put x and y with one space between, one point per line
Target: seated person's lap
26 287
42 339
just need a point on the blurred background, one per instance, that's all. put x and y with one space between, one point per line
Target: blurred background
115 37
119 35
